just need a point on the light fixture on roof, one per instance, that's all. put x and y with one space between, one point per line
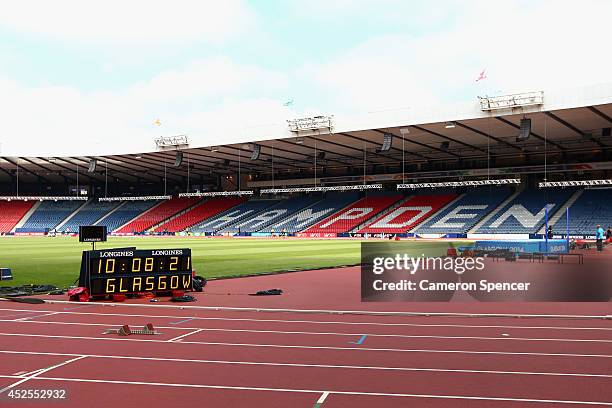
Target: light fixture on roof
135 198
576 183
449 125
138 156
318 189
217 193
465 183
44 198
299 140
214 148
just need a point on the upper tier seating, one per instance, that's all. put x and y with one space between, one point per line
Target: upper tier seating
126 212
234 215
525 214
302 219
50 214
88 215
266 218
158 214
357 213
409 214
195 215
11 212
466 212
592 208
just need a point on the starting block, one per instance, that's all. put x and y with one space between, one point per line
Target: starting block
125 330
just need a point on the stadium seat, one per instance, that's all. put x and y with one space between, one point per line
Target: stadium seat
466 212
125 213
262 221
88 215
592 208
302 219
157 214
49 215
356 214
409 214
525 214
12 212
233 216
199 213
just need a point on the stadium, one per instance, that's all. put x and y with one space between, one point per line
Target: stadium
447 256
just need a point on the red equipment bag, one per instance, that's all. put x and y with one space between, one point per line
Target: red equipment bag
80 294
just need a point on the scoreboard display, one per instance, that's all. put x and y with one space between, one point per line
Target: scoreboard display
128 270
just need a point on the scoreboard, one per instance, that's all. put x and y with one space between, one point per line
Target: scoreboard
128 270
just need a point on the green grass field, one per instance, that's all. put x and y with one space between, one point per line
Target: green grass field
56 261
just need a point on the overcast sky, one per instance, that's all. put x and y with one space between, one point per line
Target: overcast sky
89 74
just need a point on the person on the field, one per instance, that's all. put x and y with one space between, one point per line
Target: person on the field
608 233
599 237
549 233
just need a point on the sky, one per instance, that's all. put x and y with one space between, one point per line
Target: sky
85 76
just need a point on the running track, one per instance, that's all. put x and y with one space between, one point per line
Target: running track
217 357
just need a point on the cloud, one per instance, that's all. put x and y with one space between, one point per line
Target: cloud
199 99
134 21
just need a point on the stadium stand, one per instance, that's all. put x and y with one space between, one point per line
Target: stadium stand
12 212
465 213
157 214
408 215
592 208
125 212
525 214
264 219
88 215
49 214
359 212
331 203
199 213
233 215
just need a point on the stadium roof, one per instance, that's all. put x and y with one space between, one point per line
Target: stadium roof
569 121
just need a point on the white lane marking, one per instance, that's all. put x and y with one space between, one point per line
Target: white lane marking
19 373
407 336
240 319
23 319
182 336
38 372
289 346
322 398
306 391
353 312
348 367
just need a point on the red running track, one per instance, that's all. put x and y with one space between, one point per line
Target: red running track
215 357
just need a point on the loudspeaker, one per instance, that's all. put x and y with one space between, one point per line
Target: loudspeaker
605 132
92 165
525 130
179 159
256 151
445 145
387 142
321 155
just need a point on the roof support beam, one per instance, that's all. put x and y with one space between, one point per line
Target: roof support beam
379 145
419 144
515 126
27 170
471 129
599 113
450 139
572 127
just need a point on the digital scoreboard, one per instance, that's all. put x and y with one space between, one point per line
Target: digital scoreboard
128 270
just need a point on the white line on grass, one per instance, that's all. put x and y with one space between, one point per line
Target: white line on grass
303 365
289 346
306 391
334 322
